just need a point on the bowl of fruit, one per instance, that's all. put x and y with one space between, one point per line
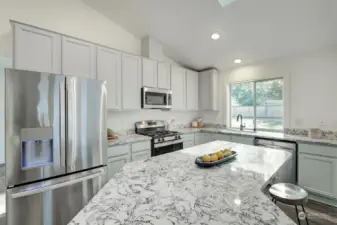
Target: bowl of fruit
216 158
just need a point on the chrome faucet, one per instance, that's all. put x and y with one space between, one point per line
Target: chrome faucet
241 125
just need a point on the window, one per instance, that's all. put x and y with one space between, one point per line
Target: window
260 103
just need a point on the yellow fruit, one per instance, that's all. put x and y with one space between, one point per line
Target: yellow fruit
220 155
206 158
227 152
214 158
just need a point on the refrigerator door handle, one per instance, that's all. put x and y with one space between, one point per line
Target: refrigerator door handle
63 123
56 186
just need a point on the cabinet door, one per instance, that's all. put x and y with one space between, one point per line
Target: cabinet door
36 50
208 90
78 58
164 76
109 67
243 140
318 174
116 163
141 155
178 85
149 72
202 138
192 90
131 70
220 137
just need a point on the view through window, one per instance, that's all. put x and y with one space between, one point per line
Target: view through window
259 102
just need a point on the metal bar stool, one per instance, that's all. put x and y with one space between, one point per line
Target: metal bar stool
290 194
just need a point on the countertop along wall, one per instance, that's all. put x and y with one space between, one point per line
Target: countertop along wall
310 91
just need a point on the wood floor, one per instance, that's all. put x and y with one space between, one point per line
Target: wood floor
318 214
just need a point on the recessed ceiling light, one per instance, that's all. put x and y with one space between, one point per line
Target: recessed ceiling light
215 36
237 61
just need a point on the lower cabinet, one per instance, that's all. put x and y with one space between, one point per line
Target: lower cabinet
221 137
116 163
318 174
243 140
202 138
141 155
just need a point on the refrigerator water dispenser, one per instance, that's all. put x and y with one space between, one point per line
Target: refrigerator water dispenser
36 147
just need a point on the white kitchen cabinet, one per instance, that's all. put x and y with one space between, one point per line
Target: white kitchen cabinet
178 85
208 90
109 68
143 155
318 174
36 49
202 138
116 163
192 90
131 81
221 137
78 58
188 140
149 72
242 140
164 75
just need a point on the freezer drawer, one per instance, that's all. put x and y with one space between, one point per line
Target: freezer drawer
53 202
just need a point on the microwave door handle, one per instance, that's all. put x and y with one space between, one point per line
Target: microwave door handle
56 186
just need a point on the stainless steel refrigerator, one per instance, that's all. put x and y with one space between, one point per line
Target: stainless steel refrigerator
55 140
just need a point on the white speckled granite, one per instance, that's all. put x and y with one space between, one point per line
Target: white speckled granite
125 139
171 189
271 135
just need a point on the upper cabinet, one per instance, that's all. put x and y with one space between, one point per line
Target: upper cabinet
109 68
192 90
149 72
36 49
78 58
208 90
131 81
164 75
178 86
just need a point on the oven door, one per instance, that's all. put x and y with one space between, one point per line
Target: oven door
167 147
153 98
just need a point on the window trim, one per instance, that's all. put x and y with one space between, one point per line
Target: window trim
254 96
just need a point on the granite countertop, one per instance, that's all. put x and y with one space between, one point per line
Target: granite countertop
125 139
171 189
271 135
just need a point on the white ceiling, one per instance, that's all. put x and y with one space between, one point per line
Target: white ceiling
252 30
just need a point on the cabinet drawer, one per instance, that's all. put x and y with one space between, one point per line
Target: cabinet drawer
188 144
220 137
242 140
118 150
115 164
188 137
317 149
141 146
141 155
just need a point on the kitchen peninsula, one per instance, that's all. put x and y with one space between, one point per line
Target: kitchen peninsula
172 189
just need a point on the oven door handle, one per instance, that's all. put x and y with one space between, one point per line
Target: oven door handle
168 143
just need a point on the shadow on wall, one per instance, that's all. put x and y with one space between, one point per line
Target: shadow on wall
6 43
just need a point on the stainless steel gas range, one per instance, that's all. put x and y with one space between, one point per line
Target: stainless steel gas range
163 140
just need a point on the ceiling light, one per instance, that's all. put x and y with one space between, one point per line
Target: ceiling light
237 61
215 36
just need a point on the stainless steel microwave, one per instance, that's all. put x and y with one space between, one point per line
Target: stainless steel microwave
155 98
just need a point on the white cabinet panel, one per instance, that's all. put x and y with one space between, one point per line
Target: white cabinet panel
116 163
221 137
243 140
131 75
192 88
318 174
208 90
164 76
118 150
78 58
141 146
141 155
188 144
202 138
178 85
149 72
36 49
109 67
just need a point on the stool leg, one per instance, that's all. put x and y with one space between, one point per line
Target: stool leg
306 216
298 219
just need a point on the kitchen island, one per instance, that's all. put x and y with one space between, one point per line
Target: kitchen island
172 189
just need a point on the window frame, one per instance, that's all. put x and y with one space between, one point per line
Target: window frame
254 97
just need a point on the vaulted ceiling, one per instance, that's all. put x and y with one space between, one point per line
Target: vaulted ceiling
252 30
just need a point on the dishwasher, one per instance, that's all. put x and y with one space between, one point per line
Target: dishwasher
288 172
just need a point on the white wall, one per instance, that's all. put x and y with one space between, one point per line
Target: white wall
310 87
